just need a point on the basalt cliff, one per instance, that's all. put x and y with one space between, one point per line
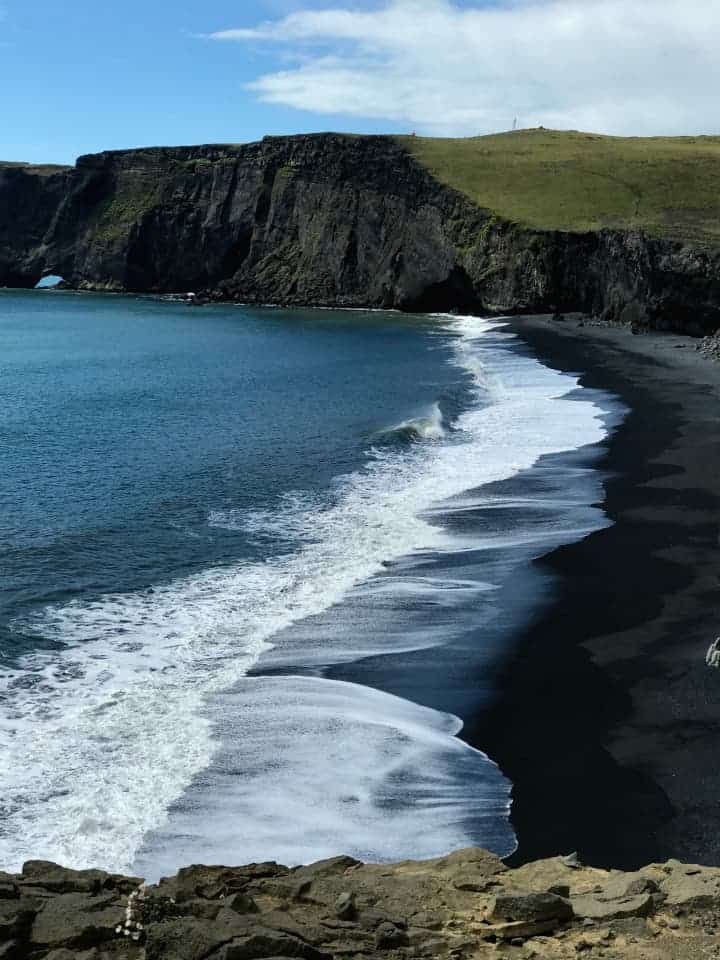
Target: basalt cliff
466 906
330 220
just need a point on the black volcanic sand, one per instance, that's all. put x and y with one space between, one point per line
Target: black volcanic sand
606 717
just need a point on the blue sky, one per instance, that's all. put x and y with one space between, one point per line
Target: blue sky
83 76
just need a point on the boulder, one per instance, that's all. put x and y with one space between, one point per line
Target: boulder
76 920
696 887
591 907
240 903
529 906
471 859
345 906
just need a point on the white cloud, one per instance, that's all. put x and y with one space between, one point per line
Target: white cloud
617 66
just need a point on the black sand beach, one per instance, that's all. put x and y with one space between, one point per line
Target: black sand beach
607 718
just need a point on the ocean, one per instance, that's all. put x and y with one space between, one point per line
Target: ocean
259 565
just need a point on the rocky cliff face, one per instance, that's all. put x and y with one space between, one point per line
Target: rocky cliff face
329 220
465 905
29 200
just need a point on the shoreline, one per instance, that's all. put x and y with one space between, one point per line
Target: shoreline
606 717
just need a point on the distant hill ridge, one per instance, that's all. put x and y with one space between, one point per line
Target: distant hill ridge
530 221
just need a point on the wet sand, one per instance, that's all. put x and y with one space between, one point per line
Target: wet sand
606 717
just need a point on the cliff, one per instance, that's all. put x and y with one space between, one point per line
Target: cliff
465 905
339 221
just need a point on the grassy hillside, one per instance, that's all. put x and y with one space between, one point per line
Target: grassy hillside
666 186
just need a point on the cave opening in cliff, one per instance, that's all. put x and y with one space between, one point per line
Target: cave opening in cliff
48 282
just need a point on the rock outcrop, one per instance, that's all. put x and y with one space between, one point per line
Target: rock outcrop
465 905
329 220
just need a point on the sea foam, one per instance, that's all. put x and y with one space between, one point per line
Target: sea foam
100 740
309 768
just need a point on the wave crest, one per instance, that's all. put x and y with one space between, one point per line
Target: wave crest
428 426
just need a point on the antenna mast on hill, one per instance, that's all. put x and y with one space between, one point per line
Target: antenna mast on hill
515 123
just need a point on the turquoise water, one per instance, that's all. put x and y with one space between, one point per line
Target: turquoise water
205 512
127 423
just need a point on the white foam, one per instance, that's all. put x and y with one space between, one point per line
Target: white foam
328 768
426 426
98 740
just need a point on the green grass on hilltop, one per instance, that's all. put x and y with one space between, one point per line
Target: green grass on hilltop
665 186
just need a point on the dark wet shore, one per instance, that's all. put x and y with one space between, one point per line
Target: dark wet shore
606 718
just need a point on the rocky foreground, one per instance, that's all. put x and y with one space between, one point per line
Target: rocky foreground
468 904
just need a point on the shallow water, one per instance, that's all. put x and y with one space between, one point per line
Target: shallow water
256 564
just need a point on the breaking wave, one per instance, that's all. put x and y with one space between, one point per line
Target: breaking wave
429 426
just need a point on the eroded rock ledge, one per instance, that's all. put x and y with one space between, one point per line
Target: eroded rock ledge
465 905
